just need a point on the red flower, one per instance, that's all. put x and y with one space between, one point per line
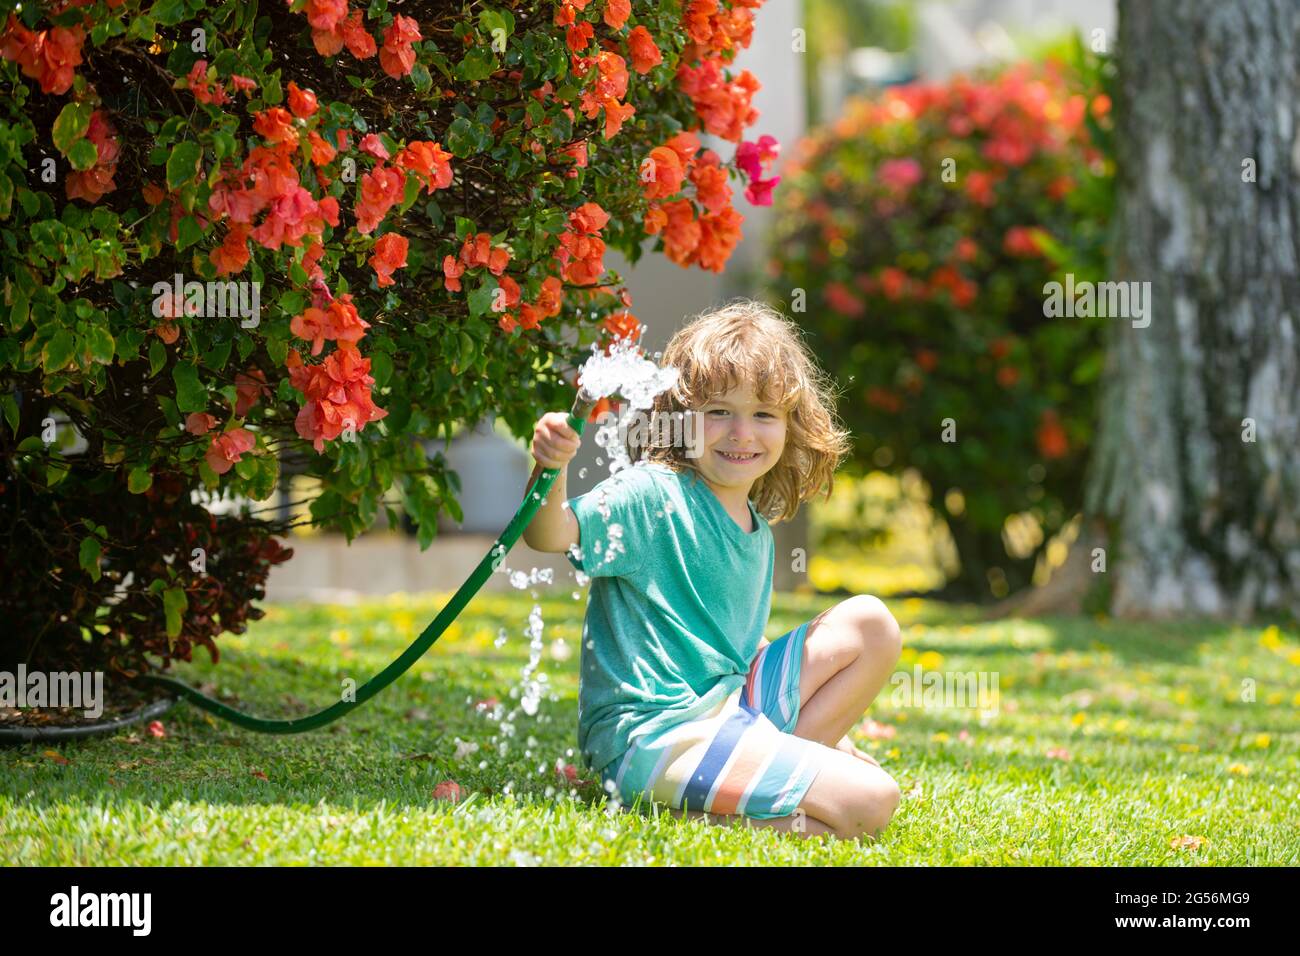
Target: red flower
337 393
360 42
49 56
711 189
1052 442
578 36
91 184
232 255
839 298
390 254
199 423
248 389
662 173
381 189
624 325
429 161
276 125
893 282
322 153
326 14
478 251
301 102
397 56
452 271
372 144
723 106
645 54
1022 241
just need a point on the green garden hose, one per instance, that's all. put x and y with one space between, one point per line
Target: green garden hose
538 487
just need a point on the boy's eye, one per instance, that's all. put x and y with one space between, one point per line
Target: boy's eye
717 411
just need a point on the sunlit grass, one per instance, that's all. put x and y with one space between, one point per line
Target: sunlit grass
1110 743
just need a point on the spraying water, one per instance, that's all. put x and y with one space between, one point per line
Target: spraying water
625 371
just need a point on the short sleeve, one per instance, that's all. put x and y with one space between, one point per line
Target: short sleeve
615 523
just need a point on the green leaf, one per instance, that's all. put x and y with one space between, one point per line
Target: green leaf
10 407
175 602
142 28
182 163
83 155
139 479
168 12
191 396
479 64
413 186
71 125
420 77
89 556
101 344
381 367
157 357
480 300
188 232
58 351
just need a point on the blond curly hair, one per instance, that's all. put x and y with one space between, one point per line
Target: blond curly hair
749 341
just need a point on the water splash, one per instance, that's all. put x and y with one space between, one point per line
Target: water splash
625 371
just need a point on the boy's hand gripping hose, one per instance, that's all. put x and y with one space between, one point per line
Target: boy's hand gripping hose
538 487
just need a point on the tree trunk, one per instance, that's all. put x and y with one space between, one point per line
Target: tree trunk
1203 519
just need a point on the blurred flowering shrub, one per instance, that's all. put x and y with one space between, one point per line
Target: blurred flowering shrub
918 232
245 234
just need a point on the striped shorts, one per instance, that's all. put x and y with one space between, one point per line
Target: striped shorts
740 758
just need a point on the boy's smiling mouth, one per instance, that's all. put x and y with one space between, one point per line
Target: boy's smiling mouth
737 458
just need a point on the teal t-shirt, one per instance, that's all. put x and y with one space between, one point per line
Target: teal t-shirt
679 600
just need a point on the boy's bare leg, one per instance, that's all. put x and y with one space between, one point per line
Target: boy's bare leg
799 823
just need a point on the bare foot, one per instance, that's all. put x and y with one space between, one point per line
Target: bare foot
846 745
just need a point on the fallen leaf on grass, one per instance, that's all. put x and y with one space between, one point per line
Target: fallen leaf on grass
448 790
156 728
259 775
56 756
1187 842
1059 753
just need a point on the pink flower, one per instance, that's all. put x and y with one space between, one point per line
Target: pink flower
752 157
228 448
759 192
199 423
899 175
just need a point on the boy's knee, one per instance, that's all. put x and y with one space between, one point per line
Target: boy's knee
881 635
875 805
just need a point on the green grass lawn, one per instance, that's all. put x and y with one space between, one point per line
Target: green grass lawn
1113 743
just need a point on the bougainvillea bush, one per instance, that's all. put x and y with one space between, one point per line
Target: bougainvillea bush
918 232
246 238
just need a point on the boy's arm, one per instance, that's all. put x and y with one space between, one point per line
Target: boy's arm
554 527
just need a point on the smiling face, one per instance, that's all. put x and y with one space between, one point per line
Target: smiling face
743 439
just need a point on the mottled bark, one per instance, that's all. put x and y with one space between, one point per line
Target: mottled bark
1202 520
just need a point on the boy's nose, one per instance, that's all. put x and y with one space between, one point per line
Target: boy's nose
740 430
